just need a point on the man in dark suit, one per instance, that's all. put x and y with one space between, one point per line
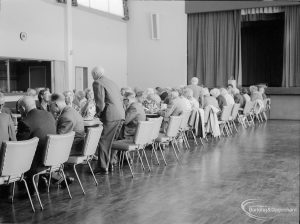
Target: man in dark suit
133 114
68 120
34 123
110 110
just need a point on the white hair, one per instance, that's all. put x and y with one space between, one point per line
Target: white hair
223 91
194 81
205 92
97 72
215 92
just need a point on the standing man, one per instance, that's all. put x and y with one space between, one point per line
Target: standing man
110 110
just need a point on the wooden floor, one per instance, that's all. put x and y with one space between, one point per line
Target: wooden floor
207 187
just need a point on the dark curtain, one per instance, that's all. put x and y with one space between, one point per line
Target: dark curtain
262 52
291 55
214 47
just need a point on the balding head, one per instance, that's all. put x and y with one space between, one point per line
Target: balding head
194 81
58 102
26 104
97 72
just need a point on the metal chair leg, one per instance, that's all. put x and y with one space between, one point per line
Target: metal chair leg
126 155
149 168
187 142
177 146
64 176
172 143
13 193
28 194
154 147
49 181
162 153
75 171
194 137
96 182
142 164
36 190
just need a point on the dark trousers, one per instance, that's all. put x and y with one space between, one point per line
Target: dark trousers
105 156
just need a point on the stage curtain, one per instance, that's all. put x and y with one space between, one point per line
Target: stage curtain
291 54
214 47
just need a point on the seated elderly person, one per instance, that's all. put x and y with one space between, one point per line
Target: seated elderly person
79 100
209 100
188 94
3 109
238 98
69 120
245 95
229 99
88 111
152 100
255 95
34 123
31 92
133 114
44 99
220 98
7 133
261 89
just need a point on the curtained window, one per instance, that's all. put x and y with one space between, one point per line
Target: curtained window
214 47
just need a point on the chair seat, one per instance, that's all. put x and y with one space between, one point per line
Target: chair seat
162 138
125 145
77 159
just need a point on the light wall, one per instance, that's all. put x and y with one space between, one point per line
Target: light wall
161 62
98 39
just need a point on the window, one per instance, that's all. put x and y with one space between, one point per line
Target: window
111 6
16 76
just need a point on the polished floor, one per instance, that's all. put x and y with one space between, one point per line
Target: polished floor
207 187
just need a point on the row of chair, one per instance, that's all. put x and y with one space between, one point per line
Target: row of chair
58 148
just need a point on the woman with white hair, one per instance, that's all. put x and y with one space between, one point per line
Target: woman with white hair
209 100
188 94
152 100
88 111
229 99
255 95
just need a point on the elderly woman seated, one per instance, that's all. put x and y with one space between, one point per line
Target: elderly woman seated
188 94
245 95
255 95
152 101
88 111
79 100
220 99
238 98
209 100
229 99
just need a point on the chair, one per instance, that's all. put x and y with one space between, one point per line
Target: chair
267 107
12 168
224 119
142 137
234 114
155 134
183 128
193 123
246 112
58 148
171 134
89 149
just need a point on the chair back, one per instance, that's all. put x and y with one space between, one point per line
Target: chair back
143 133
58 148
235 110
174 125
185 120
92 140
16 157
226 112
157 124
248 107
